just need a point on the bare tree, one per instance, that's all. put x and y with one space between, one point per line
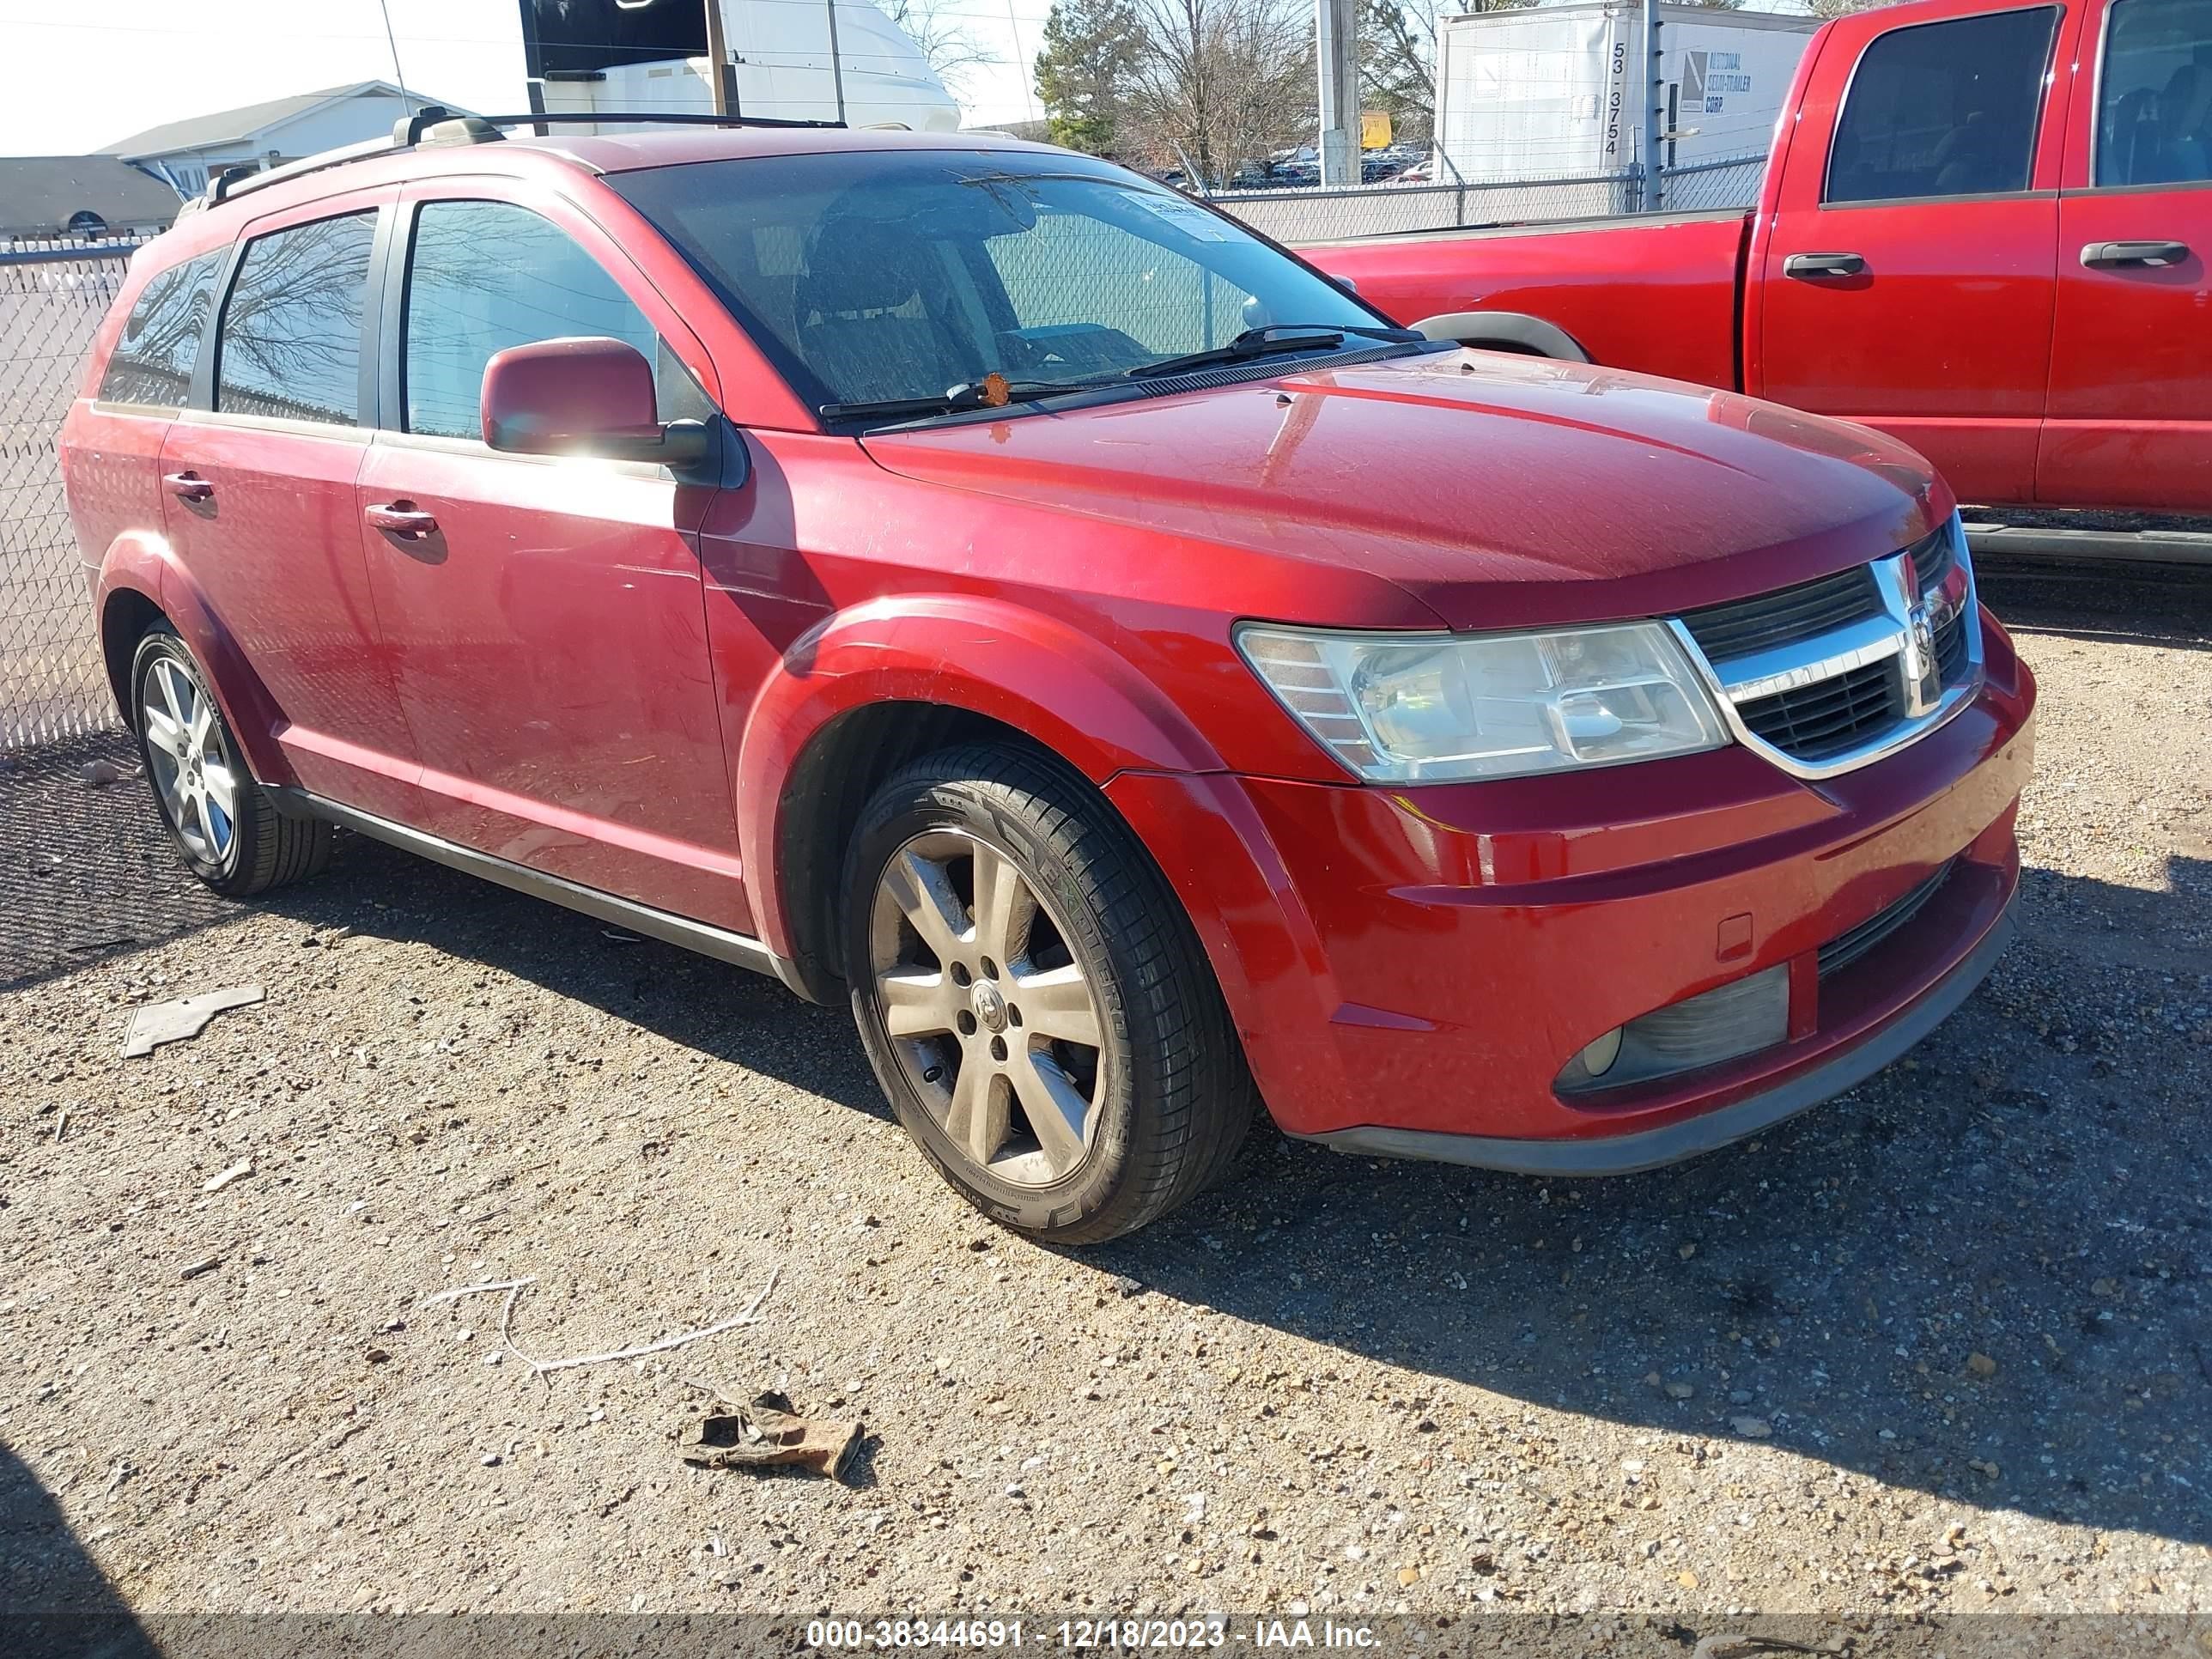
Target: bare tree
1398 57
1226 81
953 54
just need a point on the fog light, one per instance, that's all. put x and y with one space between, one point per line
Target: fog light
1597 1059
1724 1023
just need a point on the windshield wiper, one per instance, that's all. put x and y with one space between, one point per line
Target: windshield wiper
1272 337
972 394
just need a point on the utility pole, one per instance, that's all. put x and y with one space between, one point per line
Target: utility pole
1655 92
837 64
1337 50
722 77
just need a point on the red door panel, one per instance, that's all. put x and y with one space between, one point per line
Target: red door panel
553 665
1937 326
549 622
2130 416
263 514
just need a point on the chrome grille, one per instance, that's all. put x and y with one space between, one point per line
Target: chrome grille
1785 615
1847 948
1828 716
1951 648
1830 674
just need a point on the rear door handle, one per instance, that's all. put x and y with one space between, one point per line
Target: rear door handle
2107 256
1825 264
189 487
401 519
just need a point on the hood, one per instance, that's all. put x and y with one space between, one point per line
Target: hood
1498 491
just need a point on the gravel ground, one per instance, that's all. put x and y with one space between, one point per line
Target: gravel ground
1943 1346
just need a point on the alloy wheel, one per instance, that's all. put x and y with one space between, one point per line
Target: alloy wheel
193 767
995 1023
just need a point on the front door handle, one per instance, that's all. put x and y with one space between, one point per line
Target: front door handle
401 519
2107 255
189 487
1825 264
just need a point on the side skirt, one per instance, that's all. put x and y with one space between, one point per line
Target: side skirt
739 949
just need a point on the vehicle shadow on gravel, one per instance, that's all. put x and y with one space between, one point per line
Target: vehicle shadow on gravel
1980 1275
54 1599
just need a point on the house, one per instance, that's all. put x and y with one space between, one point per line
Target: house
43 196
188 153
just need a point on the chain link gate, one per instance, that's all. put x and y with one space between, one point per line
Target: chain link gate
52 683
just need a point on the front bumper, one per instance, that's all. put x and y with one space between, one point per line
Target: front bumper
1412 969
1650 1149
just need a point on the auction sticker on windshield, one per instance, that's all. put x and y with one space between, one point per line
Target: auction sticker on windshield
1186 216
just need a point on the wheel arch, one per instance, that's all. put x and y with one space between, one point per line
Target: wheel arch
872 689
1505 330
142 582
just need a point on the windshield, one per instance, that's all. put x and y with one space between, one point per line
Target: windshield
875 275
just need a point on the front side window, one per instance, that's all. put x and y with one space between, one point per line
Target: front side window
290 339
2155 94
485 275
1944 109
879 275
153 360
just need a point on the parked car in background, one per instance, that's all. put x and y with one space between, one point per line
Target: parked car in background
1983 230
974 583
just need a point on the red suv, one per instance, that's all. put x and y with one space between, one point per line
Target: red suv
974 580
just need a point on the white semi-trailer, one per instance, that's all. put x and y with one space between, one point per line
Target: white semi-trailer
1556 91
831 60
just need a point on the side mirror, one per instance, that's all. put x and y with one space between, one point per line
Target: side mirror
583 396
1346 283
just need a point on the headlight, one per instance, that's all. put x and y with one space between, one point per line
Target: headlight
1430 707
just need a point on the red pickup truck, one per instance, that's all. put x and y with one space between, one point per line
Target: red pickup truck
1983 229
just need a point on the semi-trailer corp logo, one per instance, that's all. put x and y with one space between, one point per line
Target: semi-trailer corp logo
1708 77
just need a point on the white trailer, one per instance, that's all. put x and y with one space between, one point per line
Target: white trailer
1556 91
808 60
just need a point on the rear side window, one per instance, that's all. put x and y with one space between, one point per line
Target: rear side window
1944 109
2155 94
153 361
485 275
290 341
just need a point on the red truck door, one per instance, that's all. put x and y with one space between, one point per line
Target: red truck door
2130 417
1905 280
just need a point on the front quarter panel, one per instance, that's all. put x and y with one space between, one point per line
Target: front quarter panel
990 657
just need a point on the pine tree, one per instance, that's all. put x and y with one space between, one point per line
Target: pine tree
1085 71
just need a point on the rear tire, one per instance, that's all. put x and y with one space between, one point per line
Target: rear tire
225 825
1033 999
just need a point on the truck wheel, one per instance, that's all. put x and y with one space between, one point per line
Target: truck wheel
1033 999
230 831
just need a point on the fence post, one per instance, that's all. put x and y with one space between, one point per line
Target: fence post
1654 78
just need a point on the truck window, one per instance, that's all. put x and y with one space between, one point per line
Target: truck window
1944 109
2155 94
153 358
290 344
485 275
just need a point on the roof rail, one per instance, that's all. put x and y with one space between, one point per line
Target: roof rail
412 131
435 125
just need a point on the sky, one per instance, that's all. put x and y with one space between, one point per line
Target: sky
76 85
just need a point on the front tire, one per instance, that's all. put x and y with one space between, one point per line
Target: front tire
1033 1000
224 825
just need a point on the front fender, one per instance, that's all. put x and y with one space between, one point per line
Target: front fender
1027 670
145 564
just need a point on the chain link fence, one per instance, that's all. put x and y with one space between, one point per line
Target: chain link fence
53 296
